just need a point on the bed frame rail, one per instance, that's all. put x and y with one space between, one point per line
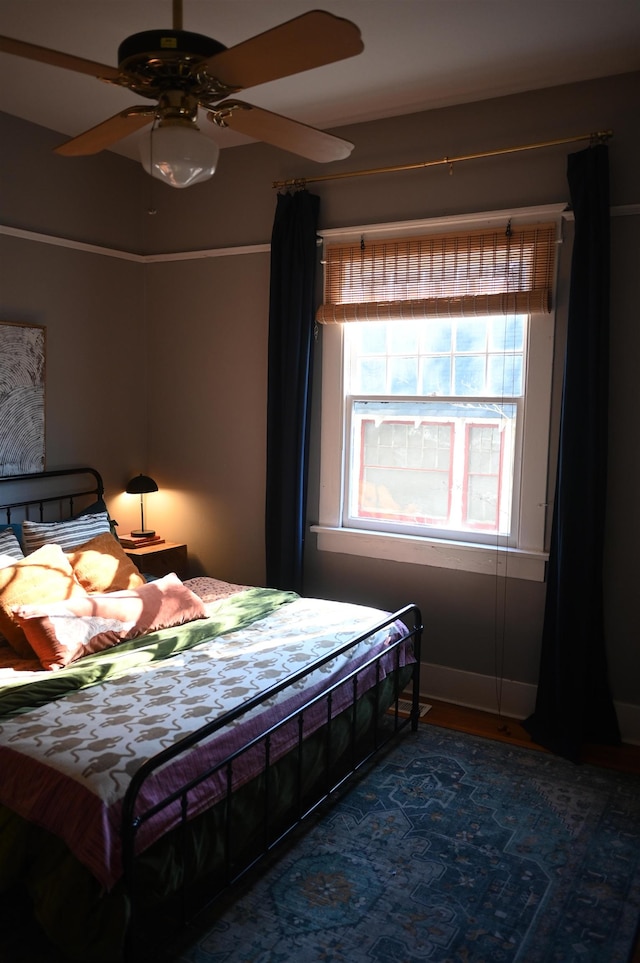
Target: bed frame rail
40 482
134 816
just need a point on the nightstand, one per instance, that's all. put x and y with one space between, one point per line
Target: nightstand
161 559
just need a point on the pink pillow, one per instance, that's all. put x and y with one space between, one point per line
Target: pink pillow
41 578
61 632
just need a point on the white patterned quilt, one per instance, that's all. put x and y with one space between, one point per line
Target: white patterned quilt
67 764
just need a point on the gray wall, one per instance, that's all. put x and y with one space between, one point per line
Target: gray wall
162 366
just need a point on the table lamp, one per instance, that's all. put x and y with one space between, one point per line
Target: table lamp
141 485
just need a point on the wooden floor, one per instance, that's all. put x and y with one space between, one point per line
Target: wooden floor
624 758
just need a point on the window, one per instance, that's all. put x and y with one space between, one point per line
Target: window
431 438
437 354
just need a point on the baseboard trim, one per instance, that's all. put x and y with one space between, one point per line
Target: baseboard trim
507 697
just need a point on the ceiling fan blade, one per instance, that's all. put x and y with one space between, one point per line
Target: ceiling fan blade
281 131
311 40
57 59
108 132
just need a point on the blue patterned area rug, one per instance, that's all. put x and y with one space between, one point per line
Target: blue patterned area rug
449 848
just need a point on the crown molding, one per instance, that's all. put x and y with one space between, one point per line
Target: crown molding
58 241
623 210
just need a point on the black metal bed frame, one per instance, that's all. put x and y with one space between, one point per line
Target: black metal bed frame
68 498
134 816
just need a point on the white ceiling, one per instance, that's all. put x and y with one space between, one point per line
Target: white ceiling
418 54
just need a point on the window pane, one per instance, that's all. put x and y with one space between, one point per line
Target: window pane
409 497
404 470
371 377
505 375
436 446
469 375
482 501
439 357
506 333
484 460
471 334
404 337
403 376
370 337
436 376
436 336
484 450
433 463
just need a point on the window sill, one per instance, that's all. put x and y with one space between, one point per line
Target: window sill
463 556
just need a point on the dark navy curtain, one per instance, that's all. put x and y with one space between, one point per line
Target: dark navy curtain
574 705
291 326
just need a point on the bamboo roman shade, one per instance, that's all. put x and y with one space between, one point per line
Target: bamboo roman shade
498 271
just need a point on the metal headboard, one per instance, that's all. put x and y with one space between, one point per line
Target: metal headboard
31 482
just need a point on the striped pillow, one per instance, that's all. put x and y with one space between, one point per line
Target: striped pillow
9 544
68 535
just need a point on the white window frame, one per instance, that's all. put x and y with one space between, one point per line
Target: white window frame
527 560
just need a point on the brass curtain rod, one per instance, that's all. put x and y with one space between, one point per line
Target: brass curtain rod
595 138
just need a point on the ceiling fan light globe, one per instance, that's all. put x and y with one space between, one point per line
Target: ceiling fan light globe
179 155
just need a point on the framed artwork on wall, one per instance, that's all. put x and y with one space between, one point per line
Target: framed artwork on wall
22 383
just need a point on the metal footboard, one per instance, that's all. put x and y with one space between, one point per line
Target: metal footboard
386 721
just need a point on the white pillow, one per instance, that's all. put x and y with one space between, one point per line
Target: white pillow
68 535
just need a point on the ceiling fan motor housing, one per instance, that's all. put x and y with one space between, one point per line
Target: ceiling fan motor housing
163 44
155 60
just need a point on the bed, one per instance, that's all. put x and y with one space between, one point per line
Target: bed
159 737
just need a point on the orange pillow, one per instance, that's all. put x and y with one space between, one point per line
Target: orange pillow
100 565
62 632
44 576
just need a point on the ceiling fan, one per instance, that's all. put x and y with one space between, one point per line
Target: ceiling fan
185 72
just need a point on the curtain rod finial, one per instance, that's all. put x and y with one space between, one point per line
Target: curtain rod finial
600 137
